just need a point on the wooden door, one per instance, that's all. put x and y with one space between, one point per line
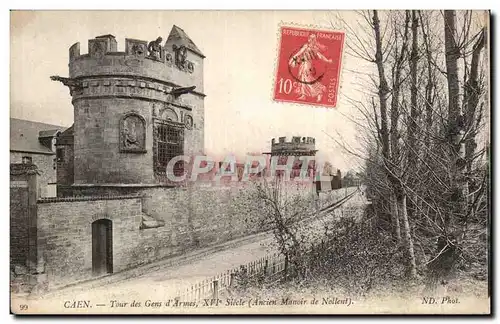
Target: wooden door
102 247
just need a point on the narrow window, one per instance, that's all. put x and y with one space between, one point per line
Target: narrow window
60 154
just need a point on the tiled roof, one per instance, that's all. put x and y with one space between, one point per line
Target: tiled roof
48 133
24 135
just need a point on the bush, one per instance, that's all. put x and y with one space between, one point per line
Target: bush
359 257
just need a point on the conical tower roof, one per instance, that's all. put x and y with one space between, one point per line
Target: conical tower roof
178 36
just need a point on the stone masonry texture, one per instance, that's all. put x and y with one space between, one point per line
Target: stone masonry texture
194 218
114 84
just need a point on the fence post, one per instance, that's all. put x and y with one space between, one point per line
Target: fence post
313 257
231 282
265 266
215 293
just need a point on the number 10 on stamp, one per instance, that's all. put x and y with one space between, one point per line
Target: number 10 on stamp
309 65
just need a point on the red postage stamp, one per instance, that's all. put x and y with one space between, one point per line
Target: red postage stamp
309 65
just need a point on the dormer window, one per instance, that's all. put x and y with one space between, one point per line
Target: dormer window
48 138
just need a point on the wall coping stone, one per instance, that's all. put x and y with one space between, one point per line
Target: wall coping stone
86 198
120 185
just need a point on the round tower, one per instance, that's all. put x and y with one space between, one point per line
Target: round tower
297 146
134 110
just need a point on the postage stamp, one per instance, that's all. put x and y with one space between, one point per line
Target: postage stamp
309 66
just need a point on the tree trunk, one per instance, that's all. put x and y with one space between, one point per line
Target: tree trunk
414 112
429 87
383 132
407 235
395 217
383 89
446 252
396 86
455 117
472 93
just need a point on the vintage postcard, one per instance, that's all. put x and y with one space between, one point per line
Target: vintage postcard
250 162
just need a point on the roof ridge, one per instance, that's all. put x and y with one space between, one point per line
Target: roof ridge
38 122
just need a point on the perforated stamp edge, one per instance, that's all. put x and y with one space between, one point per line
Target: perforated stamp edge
276 64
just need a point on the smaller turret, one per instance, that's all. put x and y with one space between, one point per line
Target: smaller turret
298 146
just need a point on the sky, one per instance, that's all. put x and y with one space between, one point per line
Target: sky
241 49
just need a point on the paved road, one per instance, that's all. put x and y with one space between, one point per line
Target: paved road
161 284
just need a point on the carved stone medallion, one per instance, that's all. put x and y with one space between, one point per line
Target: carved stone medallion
133 133
169 114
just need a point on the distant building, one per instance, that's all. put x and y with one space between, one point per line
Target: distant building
327 180
34 143
298 147
352 179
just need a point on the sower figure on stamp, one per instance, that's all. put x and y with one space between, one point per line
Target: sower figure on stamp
309 82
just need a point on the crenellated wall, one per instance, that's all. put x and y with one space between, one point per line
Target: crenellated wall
295 145
103 60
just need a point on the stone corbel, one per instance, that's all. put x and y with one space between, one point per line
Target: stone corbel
179 91
72 84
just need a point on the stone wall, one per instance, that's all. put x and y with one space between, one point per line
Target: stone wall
97 156
65 165
194 218
65 235
23 225
18 222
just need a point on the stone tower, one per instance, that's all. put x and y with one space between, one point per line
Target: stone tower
134 110
297 147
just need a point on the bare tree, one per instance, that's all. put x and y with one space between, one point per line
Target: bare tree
423 166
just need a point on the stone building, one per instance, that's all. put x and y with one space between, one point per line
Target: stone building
133 112
34 143
301 147
298 147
